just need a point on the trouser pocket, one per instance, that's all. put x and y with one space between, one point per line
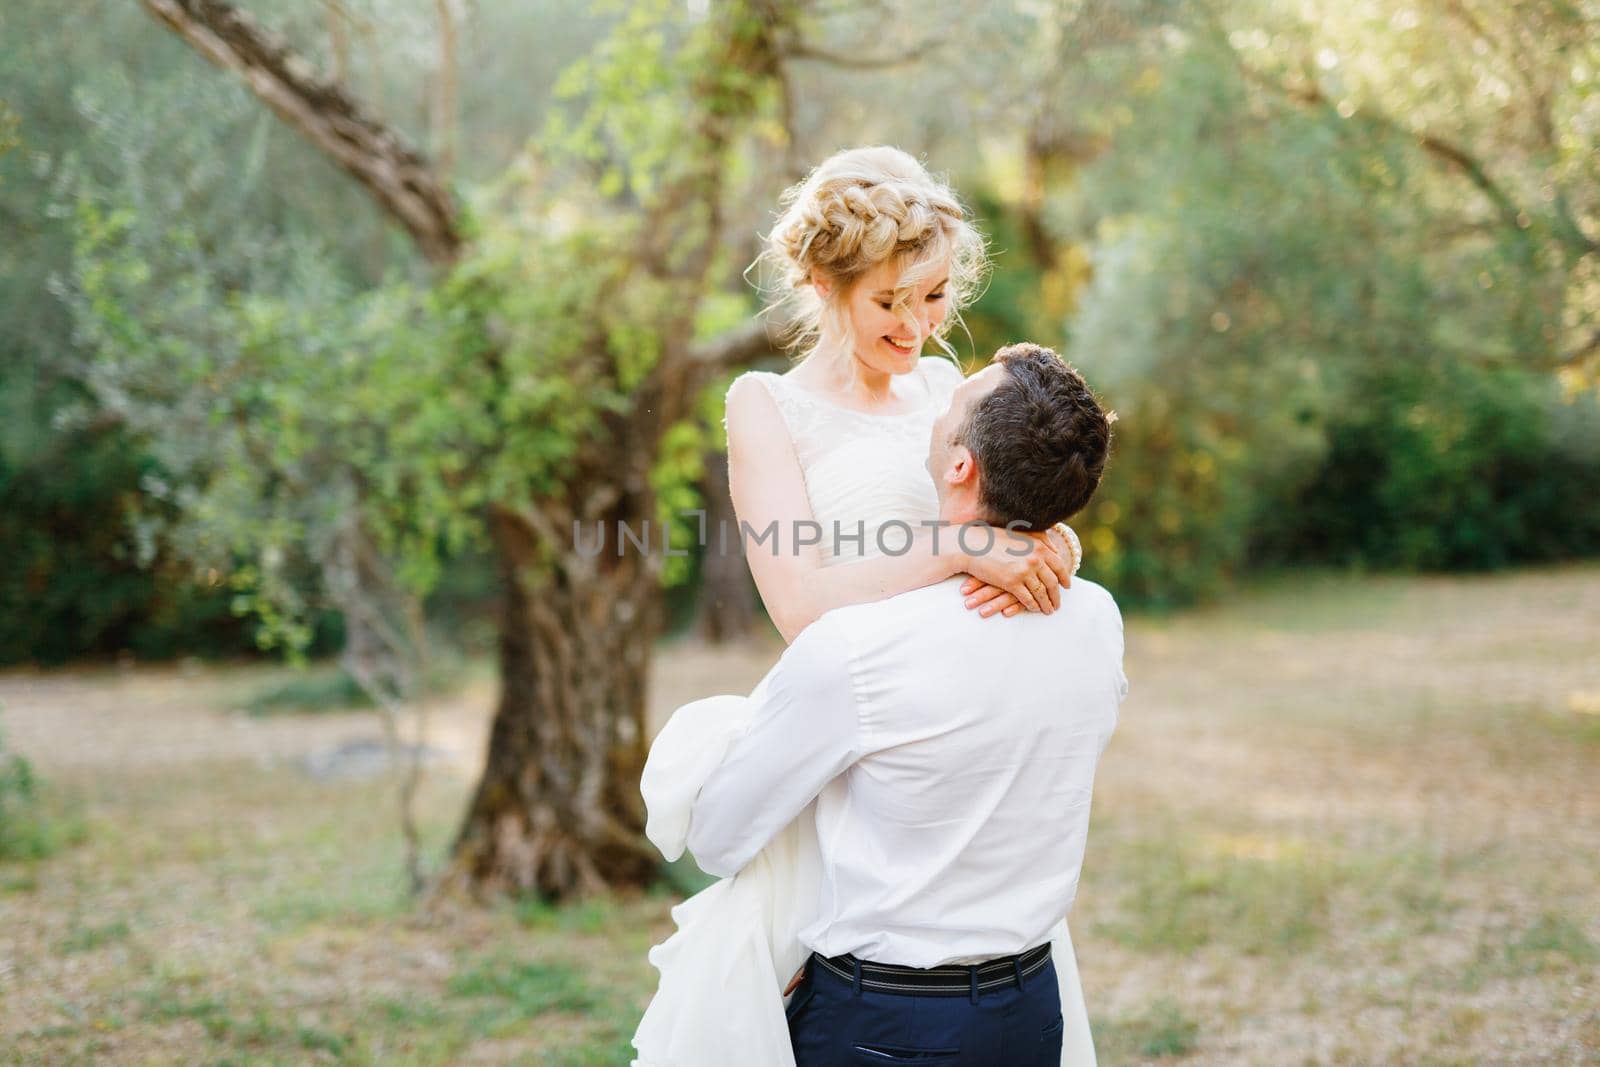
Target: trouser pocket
925 1057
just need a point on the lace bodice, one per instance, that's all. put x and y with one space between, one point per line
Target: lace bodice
864 471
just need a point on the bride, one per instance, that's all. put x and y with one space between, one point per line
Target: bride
876 254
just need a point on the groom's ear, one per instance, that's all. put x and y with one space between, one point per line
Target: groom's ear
962 469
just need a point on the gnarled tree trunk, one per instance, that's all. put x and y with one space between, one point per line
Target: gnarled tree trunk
558 810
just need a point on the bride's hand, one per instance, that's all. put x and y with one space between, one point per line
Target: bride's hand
1004 583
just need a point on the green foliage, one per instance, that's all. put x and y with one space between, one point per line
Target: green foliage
1011 306
229 200
84 572
21 833
1282 310
291 401
1288 299
281 414
1218 341
673 480
71 582
582 263
530 308
1449 466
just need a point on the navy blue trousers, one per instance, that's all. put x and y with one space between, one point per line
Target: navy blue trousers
833 1025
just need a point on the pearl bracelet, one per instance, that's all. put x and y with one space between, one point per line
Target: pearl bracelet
1073 545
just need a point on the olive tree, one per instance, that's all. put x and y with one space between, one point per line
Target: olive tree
544 376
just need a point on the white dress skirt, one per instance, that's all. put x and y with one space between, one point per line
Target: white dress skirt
719 1002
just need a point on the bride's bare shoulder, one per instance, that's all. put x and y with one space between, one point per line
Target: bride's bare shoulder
757 427
750 409
752 389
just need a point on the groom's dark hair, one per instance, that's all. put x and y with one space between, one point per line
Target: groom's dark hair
1039 439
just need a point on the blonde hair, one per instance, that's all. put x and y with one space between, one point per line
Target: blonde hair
861 208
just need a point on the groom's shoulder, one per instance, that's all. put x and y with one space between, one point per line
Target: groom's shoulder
1093 597
910 610
941 609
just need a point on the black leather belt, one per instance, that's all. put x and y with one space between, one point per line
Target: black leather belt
946 981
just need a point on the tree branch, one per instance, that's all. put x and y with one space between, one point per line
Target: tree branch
1583 351
740 346
802 50
1567 224
1311 94
1462 161
371 151
444 116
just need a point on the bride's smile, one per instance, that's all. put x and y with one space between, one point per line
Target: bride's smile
891 312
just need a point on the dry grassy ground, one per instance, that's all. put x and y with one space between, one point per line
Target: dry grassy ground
1344 820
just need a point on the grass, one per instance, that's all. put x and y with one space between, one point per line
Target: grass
1343 821
1577 718
1253 894
87 938
1552 945
33 827
1552 938
320 689
233 1028
1159 1032
586 917
510 992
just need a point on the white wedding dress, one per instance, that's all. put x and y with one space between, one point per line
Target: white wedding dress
719 1002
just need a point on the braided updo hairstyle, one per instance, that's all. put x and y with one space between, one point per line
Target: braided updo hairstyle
860 208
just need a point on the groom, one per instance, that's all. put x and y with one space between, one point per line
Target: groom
951 758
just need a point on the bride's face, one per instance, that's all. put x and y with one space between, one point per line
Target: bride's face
889 338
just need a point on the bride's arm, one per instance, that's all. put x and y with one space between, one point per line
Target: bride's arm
769 491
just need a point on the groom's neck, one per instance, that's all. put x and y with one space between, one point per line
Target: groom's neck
959 508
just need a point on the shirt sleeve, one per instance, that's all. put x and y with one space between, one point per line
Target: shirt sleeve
1117 647
804 734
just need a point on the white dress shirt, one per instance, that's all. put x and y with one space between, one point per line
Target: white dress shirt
952 759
